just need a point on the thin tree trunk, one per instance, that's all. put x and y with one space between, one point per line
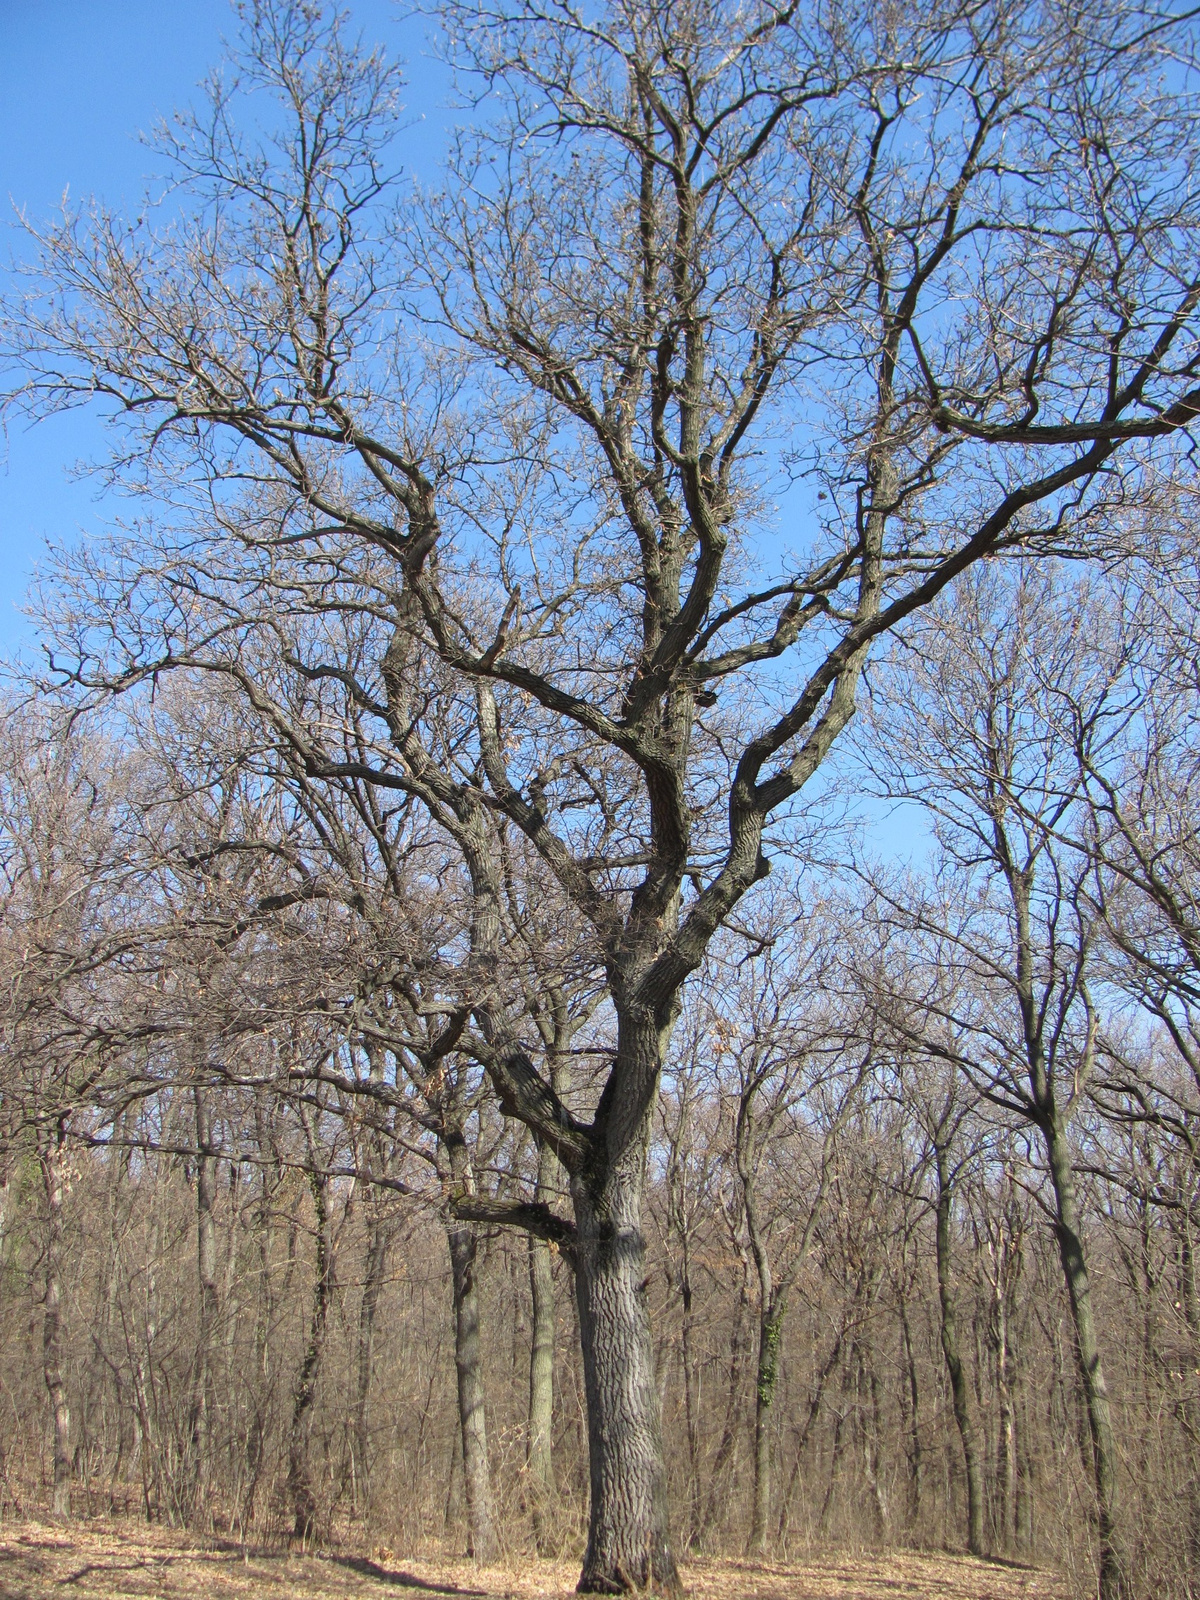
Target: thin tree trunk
540 1461
1087 1348
50 1157
737 1364
206 1273
915 1463
299 1481
874 1441
839 1439
954 1366
1190 1300
629 1545
770 1327
468 1361
1025 1483
690 1399
814 1411
770 1332
264 1316
378 1240
1006 1462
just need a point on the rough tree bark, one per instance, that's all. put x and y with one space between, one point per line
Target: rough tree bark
628 1544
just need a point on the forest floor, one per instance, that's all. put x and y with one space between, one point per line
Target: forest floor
104 1560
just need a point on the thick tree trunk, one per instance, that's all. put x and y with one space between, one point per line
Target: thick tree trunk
954 1366
1087 1347
468 1360
50 1160
629 1544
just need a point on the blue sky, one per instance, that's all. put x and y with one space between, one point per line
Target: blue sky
79 80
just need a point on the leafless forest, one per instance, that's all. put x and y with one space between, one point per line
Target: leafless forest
601 874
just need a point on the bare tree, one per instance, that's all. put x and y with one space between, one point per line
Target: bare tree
791 1075
66 868
943 1129
976 727
943 264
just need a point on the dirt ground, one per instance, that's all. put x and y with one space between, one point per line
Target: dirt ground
100 1561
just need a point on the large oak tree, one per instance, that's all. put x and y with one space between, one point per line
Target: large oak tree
733 335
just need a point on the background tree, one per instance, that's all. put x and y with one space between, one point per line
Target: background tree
975 731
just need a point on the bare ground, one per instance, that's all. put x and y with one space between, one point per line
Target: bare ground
104 1560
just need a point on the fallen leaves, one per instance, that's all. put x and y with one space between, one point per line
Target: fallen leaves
106 1560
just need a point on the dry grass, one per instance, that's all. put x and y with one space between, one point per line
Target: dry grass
101 1561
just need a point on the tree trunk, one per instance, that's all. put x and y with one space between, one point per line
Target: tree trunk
540 1460
468 1360
629 1544
814 1411
1087 1348
770 1330
50 1160
729 1430
1006 1445
262 1384
299 1481
839 1441
874 1439
690 1401
1026 1487
954 1366
378 1240
913 1442
541 1389
206 1273
1190 1301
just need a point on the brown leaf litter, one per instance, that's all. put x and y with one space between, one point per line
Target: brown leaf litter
105 1560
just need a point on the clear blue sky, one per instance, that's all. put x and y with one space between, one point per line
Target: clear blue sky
79 80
